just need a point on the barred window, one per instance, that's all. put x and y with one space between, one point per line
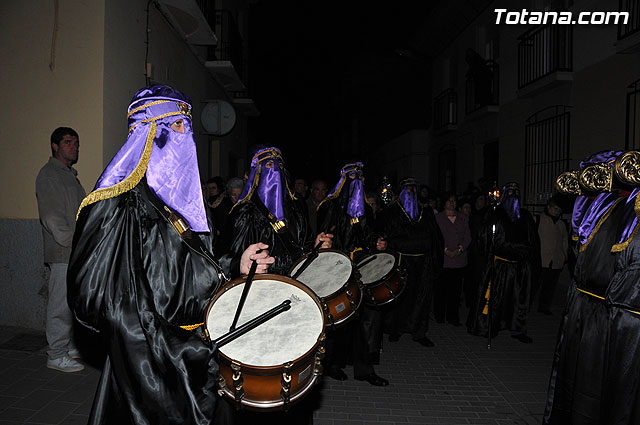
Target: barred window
547 136
632 135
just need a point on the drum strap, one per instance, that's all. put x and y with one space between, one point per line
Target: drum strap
402 254
187 237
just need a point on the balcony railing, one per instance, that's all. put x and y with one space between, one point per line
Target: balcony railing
229 46
543 51
633 24
481 88
445 109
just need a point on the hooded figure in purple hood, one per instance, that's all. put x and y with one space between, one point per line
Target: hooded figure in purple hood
597 340
411 231
141 271
267 211
347 215
512 257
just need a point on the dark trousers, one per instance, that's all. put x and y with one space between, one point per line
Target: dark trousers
547 284
446 297
358 342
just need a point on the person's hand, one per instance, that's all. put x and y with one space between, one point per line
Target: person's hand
325 238
450 253
262 258
381 244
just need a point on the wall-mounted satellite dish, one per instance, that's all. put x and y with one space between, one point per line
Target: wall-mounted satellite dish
218 117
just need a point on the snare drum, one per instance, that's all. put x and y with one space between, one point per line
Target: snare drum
381 277
276 363
331 276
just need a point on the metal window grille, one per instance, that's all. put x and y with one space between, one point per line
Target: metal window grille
544 50
445 109
633 25
632 134
482 90
547 136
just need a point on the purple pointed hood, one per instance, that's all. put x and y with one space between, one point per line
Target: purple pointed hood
511 200
409 197
153 149
267 179
350 189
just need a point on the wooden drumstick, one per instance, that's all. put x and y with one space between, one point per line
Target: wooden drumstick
253 323
245 292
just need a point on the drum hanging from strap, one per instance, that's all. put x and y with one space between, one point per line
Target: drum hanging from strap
276 363
332 277
381 277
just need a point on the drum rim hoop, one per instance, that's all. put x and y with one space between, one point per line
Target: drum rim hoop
269 276
389 274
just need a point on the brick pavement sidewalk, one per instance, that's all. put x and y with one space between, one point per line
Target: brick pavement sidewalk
458 381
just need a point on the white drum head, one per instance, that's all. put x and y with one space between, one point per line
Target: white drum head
326 274
284 338
377 268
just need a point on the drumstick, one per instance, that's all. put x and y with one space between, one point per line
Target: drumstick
255 322
365 262
245 292
312 256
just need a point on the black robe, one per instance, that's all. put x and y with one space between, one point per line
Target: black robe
621 387
517 246
133 279
348 237
249 224
361 340
578 369
422 237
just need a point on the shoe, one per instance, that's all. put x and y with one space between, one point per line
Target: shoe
65 364
74 353
394 338
373 379
425 342
522 338
337 374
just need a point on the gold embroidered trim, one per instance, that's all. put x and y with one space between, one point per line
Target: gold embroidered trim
168 114
146 105
600 223
352 253
619 247
589 293
129 182
503 259
192 327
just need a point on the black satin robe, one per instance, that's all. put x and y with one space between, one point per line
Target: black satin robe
410 313
519 243
249 224
135 281
360 341
578 370
621 388
346 236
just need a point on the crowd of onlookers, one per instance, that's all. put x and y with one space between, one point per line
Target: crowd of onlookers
460 218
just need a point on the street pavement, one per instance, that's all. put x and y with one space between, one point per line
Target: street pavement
459 381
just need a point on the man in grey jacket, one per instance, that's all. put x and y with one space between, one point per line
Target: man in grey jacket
59 195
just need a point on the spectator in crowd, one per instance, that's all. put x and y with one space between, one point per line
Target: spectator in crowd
234 188
301 188
318 193
554 244
59 195
455 229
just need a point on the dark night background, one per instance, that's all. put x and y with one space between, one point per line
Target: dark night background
325 74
